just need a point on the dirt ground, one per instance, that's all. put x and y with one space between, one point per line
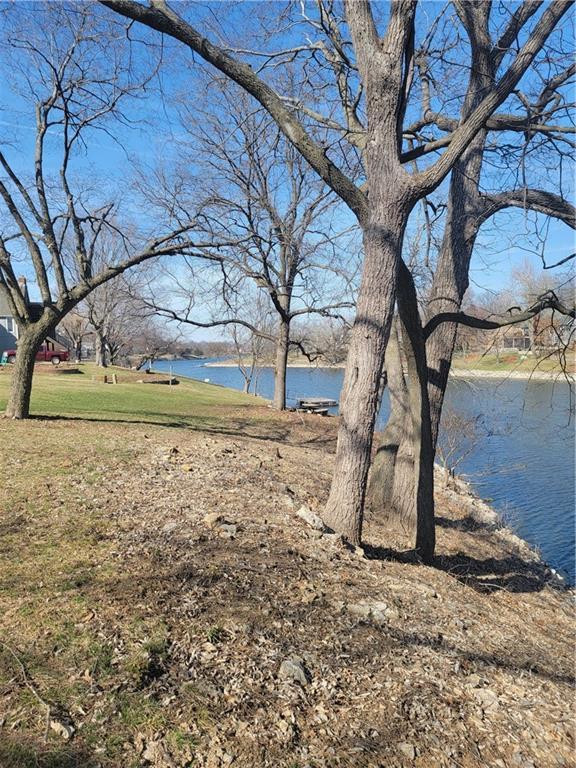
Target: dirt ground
162 604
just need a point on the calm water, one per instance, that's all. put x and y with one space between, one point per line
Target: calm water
522 461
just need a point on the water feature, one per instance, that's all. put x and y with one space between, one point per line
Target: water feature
523 461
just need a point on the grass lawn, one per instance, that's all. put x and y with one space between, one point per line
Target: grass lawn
83 395
512 361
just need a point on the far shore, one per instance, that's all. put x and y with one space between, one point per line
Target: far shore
456 373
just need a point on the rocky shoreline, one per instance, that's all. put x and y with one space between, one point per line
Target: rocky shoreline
482 513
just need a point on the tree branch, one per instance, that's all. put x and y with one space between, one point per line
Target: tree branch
534 199
548 300
160 17
429 179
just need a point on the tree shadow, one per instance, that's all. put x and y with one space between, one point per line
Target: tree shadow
238 428
103 420
491 574
246 588
467 524
510 573
21 752
499 661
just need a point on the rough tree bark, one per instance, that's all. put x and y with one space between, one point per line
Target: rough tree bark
282 346
29 342
402 479
381 483
101 351
360 391
417 473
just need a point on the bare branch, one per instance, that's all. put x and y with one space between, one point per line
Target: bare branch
514 315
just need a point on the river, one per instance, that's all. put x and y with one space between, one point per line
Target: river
522 446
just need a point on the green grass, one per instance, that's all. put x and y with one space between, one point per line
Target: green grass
79 396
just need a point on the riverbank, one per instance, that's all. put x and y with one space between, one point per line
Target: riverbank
534 375
170 607
504 372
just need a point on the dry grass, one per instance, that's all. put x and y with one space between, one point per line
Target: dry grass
159 639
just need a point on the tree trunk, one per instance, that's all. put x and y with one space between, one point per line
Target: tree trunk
101 351
282 345
421 473
379 494
463 221
29 342
402 482
78 350
360 392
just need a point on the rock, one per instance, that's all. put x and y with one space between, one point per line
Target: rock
228 530
306 514
377 611
187 468
157 755
62 729
408 750
487 699
294 670
362 610
170 526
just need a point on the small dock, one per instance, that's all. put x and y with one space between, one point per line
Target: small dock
318 405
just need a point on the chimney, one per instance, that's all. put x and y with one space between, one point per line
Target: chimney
23 288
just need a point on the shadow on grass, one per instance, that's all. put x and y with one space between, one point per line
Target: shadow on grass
19 752
245 584
467 524
270 431
512 573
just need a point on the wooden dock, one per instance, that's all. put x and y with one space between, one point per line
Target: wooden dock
318 405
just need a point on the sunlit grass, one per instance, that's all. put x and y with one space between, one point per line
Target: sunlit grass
514 361
85 395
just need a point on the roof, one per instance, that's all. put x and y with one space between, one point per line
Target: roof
36 308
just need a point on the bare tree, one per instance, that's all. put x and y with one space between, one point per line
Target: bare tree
147 340
261 194
76 75
115 316
327 340
459 437
76 328
394 486
374 101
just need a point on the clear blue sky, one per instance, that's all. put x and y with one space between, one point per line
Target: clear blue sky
504 244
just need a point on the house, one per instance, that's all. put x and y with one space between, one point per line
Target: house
9 326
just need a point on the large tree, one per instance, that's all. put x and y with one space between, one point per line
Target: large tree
240 180
501 150
374 103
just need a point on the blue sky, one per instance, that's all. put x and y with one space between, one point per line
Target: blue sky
503 245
